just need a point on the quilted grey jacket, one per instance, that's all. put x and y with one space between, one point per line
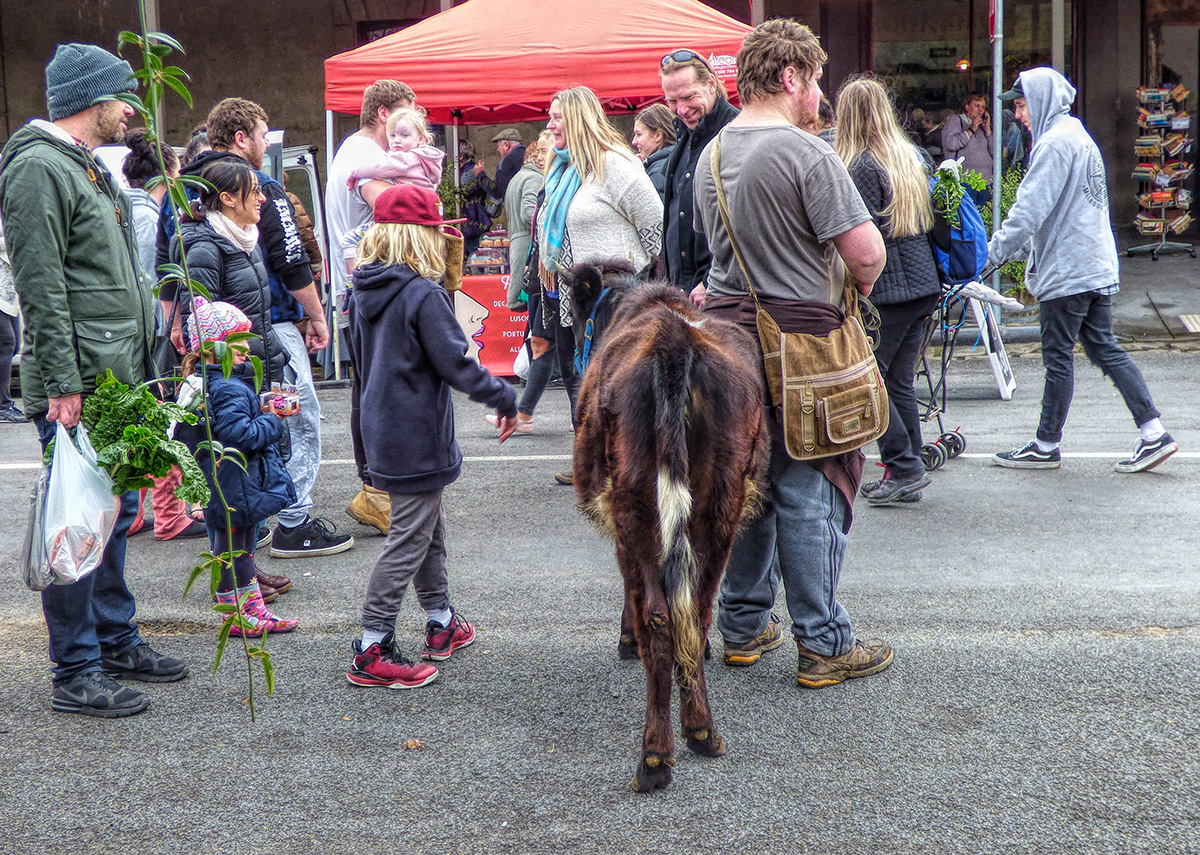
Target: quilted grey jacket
910 272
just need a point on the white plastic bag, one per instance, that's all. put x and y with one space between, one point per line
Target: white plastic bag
34 562
521 363
81 509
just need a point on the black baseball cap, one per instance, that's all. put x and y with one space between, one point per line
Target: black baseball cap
1014 93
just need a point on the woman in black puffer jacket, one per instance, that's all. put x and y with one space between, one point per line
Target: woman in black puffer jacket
223 256
891 176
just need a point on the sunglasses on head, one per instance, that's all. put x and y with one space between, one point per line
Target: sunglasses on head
683 55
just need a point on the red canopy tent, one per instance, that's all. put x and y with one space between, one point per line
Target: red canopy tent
493 61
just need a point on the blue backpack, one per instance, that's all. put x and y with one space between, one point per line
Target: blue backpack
961 252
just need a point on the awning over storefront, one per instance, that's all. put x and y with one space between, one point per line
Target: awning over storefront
493 61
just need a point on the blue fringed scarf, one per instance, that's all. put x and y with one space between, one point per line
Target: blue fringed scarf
561 185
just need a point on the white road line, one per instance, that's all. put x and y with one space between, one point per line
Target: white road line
526 458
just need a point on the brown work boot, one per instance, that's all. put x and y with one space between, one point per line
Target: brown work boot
739 656
372 507
863 659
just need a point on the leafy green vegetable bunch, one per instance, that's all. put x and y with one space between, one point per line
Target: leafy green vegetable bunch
128 428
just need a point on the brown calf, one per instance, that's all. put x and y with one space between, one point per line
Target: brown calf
669 456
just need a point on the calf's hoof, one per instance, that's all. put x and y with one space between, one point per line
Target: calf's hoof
707 743
653 773
627 648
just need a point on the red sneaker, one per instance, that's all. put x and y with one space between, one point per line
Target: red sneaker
380 665
441 641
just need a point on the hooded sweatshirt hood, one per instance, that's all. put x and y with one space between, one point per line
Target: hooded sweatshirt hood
376 285
1048 97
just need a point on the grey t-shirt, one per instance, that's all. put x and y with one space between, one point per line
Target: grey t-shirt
789 195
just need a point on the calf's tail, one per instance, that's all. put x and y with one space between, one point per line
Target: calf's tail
672 394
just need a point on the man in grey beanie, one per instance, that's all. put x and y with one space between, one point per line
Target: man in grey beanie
88 307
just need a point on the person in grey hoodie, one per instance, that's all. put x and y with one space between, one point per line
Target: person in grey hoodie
1060 222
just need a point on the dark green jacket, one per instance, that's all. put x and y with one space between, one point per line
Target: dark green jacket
87 303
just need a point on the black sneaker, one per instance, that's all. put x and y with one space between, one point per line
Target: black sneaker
1028 457
95 693
315 536
142 662
1147 455
893 491
264 535
872 487
13 414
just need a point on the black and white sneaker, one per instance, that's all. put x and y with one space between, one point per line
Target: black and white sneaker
892 491
315 536
94 693
1028 457
1147 455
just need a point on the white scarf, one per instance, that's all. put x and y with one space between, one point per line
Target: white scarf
244 238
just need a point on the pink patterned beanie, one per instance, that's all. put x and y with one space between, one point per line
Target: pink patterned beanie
215 321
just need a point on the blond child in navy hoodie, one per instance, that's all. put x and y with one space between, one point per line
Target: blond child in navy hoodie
409 352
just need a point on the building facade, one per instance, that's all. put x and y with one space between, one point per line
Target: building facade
933 52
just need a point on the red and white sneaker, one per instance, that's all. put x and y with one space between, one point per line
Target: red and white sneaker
441 641
380 665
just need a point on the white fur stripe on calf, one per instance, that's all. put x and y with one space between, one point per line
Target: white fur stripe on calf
674 509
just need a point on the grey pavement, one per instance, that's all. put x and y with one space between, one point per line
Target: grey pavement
1043 696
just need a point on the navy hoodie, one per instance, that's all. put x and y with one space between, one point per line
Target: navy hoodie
409 351
264 486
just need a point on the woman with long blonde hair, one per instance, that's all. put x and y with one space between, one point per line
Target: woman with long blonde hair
600 205
890 173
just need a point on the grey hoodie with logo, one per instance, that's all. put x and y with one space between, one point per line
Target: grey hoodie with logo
1060 217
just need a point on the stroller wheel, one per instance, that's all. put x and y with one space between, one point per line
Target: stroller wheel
954 444
932 455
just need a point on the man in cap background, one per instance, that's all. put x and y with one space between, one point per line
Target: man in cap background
512 157
88 307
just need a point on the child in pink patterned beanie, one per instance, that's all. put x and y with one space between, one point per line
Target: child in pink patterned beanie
251 493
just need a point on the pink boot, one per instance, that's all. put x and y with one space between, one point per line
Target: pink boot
256 613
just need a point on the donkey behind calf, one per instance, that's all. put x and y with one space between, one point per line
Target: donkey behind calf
670 454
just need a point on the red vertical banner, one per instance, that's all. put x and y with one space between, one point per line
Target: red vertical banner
992 20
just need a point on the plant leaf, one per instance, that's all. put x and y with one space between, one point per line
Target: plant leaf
222 640
258 372
166 40
179 88
193 575
268 671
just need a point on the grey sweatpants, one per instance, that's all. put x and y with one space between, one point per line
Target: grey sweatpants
305 426
415 551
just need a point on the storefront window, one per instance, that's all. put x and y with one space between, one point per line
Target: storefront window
925 49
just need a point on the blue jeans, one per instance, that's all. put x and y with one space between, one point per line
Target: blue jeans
1086 318
95 613
800 538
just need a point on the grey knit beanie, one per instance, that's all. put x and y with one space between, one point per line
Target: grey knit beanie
79 74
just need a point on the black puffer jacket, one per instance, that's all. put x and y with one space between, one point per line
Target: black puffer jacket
685 248
656 168
910 272
234 276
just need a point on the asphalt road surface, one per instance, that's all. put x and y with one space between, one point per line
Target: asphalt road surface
1043 698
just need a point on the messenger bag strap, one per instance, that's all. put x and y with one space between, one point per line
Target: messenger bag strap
714 160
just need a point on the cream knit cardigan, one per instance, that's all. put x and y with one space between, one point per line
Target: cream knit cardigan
619 216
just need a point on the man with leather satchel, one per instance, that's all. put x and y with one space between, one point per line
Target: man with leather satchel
785 224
